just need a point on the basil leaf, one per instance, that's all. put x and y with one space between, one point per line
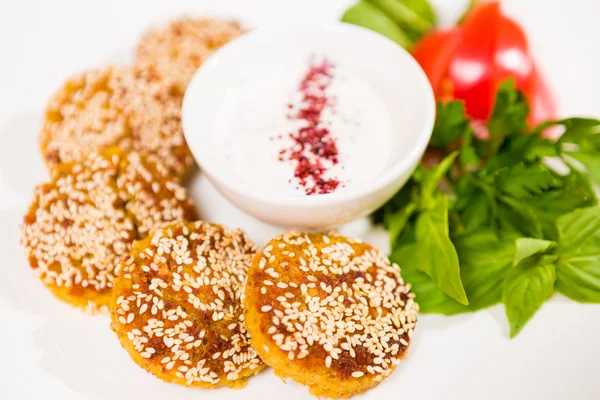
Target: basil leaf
368 16
580 188
527 247
484 260
581 141
578 266
437 256
403 15
576 129
591 161
422 8
577 227
451 123
431 178
578 277
429 296
524 292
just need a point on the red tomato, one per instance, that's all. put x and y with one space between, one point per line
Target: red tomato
433 53
471 67
511 57
470 61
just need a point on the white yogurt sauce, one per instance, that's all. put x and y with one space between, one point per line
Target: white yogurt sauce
255 124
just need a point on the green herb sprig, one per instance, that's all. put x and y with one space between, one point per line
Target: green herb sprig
509 218
403 21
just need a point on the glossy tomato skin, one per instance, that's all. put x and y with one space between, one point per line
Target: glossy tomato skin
471 68
433 53
511 56
470 61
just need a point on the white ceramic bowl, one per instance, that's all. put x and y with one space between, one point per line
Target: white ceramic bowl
385 66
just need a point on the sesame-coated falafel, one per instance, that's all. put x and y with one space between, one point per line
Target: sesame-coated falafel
176 305
179 48
134 108
83 222
328 311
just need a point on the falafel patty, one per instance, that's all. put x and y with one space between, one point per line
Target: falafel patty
134 108
176 305
179 48
83 222
328 311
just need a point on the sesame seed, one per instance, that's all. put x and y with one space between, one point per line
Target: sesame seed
369 315
97 206
175 329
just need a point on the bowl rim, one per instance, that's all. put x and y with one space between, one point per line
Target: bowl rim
385 178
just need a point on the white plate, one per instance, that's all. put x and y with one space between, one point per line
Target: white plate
47 349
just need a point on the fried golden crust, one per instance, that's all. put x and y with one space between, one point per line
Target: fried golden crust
328 311
83 222
176 306
134 108
179 48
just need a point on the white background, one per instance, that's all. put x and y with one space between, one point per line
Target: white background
47 349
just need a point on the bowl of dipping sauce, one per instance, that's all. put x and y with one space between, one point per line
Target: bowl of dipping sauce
310 126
